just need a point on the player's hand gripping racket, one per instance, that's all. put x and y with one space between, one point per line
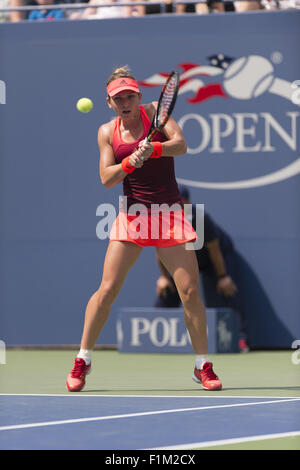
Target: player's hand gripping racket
165 105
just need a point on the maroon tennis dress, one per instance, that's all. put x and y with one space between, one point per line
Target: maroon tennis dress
152 212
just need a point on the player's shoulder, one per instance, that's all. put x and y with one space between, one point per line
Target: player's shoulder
105 130
150 109
151 105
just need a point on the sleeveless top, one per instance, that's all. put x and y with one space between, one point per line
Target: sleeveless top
155 182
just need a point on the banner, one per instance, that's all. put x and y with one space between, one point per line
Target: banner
239 108
141 330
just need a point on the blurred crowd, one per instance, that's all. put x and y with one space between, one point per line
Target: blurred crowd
114 8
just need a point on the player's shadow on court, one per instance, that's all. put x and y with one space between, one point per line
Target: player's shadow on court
265 328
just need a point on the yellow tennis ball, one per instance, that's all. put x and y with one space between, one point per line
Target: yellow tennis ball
84 105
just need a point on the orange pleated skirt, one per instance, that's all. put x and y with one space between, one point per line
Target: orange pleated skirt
160 229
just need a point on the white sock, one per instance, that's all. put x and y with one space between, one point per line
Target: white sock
200 360
86 355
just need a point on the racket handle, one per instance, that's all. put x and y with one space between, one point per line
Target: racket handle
150 136
147 139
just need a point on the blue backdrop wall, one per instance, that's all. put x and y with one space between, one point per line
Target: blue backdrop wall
239 109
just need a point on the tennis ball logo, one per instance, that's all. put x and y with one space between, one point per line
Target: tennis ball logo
84 105
248 77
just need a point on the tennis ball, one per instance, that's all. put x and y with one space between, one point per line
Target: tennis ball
248 77
84 105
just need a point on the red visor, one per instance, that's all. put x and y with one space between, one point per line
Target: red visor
122 84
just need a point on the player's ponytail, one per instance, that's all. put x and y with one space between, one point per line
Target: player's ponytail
120 72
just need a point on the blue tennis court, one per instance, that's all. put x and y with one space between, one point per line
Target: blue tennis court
142 422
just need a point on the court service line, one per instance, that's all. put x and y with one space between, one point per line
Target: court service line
236 440
135 415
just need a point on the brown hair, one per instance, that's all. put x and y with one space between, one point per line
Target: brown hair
120 72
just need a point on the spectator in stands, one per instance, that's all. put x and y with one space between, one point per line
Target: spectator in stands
288 4
210 6
46 14
175 6
4 16
217 261
280 4
70 11
247 5
156 7
269 4
115 11
16 16
138 10
34 14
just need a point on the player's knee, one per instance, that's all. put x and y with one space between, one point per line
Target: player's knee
189 294
107 293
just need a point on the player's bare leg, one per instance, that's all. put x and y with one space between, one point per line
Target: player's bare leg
120 257
182 266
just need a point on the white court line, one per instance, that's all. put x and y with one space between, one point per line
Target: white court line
134 415
201 395
237 440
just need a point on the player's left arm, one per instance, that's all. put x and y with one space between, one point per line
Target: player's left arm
176 144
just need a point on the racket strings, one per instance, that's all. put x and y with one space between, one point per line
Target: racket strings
166 101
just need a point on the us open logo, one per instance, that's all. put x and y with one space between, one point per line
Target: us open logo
247 80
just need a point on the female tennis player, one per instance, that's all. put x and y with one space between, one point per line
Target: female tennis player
147 172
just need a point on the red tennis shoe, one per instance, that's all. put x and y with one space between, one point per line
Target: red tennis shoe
207 377
76 378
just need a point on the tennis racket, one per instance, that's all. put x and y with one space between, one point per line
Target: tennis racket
165 105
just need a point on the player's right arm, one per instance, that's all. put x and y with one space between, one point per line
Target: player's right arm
110 172
175 145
